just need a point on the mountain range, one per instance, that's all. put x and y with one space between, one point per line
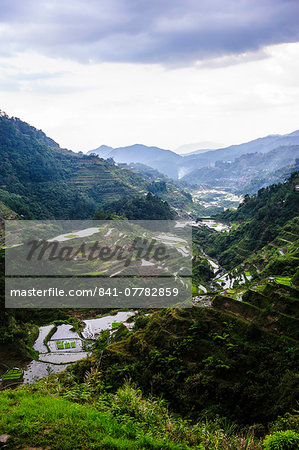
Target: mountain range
220 374
187 166
166 161
242 170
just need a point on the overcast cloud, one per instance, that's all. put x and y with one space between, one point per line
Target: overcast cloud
157 72
171 32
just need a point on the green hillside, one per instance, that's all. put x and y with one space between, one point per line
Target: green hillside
86 418
219 375
40 180
208 361
277 176
258 221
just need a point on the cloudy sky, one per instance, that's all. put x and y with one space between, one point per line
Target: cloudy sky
157 72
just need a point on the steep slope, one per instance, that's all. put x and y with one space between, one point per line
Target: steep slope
40 180
279 258
206 361
233 358
60 423
257 222
277 176
235 355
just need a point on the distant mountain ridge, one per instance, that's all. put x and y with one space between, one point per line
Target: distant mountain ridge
165 161
179 166
266 143
229 154
198 147
242 170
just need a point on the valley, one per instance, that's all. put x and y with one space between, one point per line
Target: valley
218 372
149 225
262 161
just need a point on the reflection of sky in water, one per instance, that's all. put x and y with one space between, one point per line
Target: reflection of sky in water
39 343
95 326
57 360
64 332
66 357
36 370
75 234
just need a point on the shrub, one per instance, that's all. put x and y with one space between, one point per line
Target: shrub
282 440
287 422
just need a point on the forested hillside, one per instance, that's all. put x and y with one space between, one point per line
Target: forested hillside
40 180
221 374
274 177
258 220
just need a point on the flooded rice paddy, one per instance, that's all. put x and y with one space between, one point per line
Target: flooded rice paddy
66 345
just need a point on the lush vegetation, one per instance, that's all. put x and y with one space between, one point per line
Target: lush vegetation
150 207
12 374
278 176
40 180
222 371
201 270
48 415
207 362
61 413
220 377
282 440
33 419
259 219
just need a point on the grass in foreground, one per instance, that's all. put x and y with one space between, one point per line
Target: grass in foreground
47 415
35 420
